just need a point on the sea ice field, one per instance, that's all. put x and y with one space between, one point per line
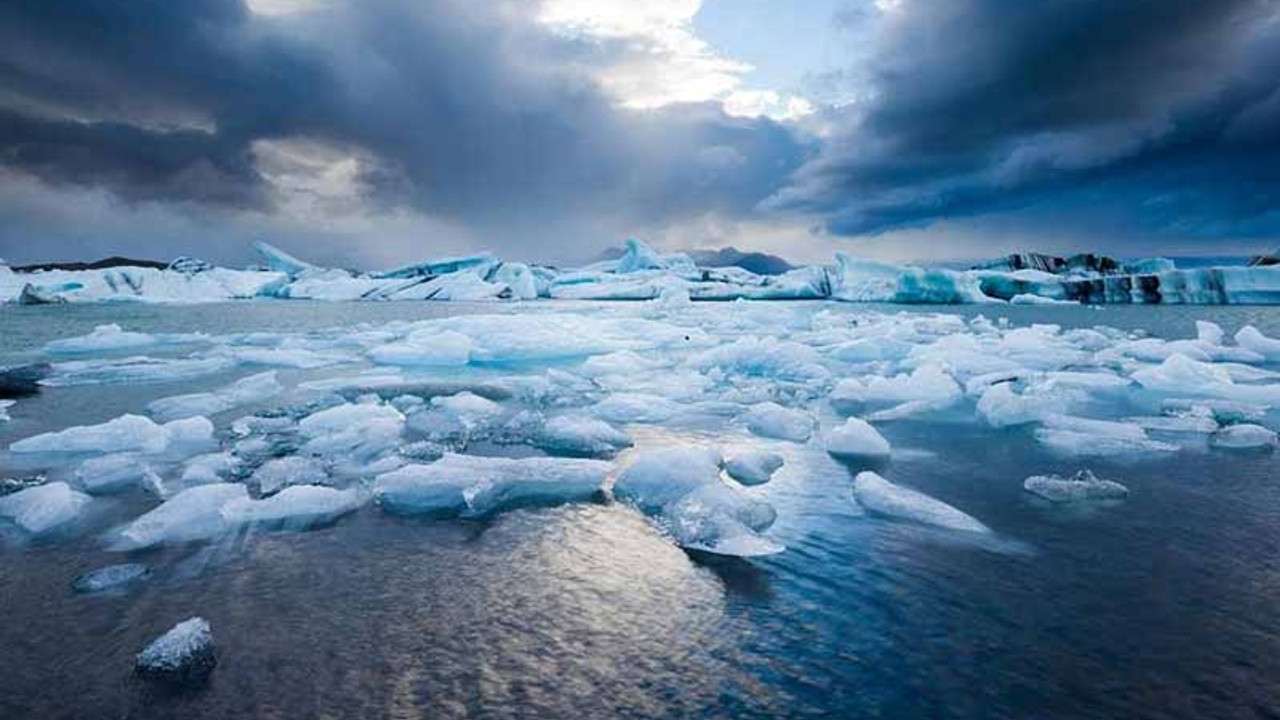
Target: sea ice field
656 509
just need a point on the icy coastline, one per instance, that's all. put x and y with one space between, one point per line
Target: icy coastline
641 273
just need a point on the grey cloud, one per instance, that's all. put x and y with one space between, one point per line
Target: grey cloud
985 106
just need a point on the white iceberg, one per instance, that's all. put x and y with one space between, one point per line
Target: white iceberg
579 435
254 388
856 440
753 467
1241 437
43 508
881 497
1081 487
771 420
475 486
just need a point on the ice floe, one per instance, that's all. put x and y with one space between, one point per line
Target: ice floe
881 497
682 489
475 486
1081 487
43 508
185 653
856 440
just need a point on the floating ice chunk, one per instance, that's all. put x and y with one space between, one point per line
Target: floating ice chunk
1250 338
1080 487
253 388
125 433
1201 423
882 497
629 408
278 473
342 418
114 473
289 357
771 420
578 435
474 486
104 338
780 360
1209 333
1096 438
193 514
133 370
872 350
1001 407
295 508
928 383
281 261
753 467
681 487
624 362
209 468
43 508
4 409
1241 437
468 405
658 478
856 440
909 409
110 577
425 349
185 653
188 433
717 519
1181 375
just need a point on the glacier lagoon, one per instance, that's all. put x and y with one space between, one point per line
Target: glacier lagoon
521 510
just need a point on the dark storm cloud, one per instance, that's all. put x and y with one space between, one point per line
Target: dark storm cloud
1168 108
465 111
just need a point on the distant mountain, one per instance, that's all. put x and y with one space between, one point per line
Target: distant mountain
111 262
756 262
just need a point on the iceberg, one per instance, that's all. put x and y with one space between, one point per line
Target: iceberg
1083 486
254 388
185 653
1241 437
278 473
681 488
881 497
297 507
111 577
118 472
476 486
771 420
753 467
856 440
43 508
580 435
123 434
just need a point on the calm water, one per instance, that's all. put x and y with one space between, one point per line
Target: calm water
1166 606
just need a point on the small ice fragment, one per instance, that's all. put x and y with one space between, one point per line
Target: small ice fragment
127 432
4 409
578 435
296 507
425 348
185 653
113 473
635 408
209 468
1082 486
475 486
753 467
882 497
856 440
193 514
254 388
43 508
111 576
772 420
104 338
1241 437
279 473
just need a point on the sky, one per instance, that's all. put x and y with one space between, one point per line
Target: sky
367 133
